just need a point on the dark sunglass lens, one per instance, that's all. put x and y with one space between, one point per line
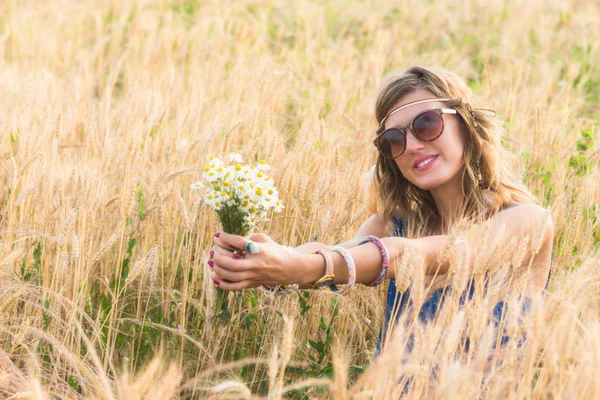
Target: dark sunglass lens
428 126
392 142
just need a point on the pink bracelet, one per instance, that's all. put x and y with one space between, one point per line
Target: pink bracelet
385 263
351 268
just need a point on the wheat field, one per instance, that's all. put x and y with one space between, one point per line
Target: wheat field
110 109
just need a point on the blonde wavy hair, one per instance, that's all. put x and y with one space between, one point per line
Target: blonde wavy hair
390 194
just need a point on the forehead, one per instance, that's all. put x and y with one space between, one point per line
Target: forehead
405 115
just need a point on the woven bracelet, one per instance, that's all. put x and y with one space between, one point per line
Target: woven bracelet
385 263
351 268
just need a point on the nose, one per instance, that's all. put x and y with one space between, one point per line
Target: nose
412 143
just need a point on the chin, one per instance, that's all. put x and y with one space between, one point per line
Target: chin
429 184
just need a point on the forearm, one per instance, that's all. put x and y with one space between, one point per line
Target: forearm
367 261
310 247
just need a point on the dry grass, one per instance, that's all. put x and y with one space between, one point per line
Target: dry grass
111 108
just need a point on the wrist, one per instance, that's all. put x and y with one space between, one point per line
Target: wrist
309 269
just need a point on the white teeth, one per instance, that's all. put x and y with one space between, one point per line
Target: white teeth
425 162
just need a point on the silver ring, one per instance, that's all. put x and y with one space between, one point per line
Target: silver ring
252 248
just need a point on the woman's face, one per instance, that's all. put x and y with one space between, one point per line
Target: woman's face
429 165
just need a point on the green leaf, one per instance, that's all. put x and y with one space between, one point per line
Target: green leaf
319 346
304 307
248 319
139 192
358 369
322 324
327 371
46 317
297 370
74 384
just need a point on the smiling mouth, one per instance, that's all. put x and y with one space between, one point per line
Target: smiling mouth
425 162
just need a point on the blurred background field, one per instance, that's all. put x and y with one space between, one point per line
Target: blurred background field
110 109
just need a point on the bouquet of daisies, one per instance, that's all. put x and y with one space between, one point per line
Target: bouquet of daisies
240 194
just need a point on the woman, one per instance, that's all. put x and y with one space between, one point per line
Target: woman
440 164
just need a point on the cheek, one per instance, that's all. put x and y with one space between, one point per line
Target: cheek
404 167
454 145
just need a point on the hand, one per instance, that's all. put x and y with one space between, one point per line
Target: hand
273 265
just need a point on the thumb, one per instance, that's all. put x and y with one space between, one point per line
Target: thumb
261 238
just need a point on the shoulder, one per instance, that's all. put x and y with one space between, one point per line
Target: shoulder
375 225
532 210
525 218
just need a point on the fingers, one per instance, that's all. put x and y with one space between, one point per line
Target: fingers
225 284
261 238
220 250
232 276
236 265
229 286
229 241
229 272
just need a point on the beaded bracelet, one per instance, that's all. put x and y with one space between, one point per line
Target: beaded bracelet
351 268
385 263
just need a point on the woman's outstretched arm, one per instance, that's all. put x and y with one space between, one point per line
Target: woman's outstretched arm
528 226
374 225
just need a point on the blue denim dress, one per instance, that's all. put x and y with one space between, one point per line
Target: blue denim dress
436 301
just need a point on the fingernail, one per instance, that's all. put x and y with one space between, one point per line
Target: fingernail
211 263
217 234
212 253
216 282
237 257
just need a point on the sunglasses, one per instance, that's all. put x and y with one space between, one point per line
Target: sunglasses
425 126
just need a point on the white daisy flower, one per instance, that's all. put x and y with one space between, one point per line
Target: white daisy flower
245 172
220 172
278 206
235 157
197 185
210 174
263 166
215 162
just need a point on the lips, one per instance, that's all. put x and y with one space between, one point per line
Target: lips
421 159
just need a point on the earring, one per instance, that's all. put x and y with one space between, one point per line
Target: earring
479 178
470 109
